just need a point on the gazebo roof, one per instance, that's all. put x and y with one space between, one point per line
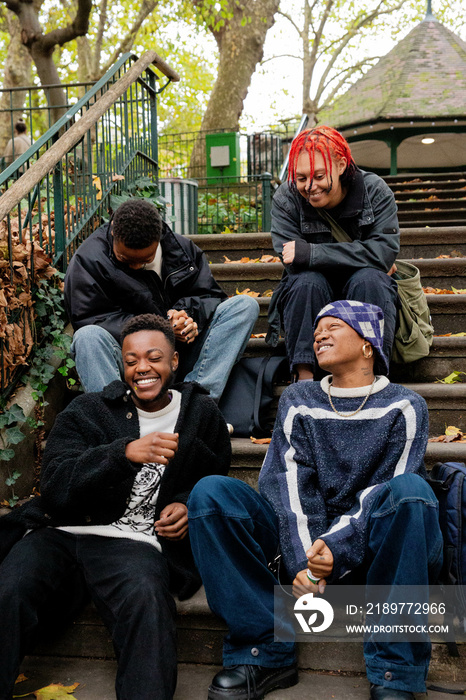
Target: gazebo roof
423 77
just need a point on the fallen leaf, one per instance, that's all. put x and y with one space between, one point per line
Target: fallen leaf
453 430
248 292
458 291
258 335
98 185
451 379
116 177
260 441
21 676
55 691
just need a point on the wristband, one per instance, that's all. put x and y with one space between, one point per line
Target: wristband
311 577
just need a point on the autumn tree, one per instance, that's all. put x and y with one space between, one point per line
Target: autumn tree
329 38
16 73
239 30
41 45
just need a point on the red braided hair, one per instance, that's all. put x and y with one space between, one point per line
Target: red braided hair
326 141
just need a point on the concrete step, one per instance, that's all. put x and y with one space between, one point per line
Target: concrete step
446 355
200 639
97 678
438 273
433 179
422 242
434 221
427 193
248 457
429 204
432 216
448 311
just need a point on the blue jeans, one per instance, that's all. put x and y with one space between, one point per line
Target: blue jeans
208 360
304 294
234 533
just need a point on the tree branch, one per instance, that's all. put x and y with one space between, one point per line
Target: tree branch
291 20
13 5
78 27
99 38
126 43
344 79
282 55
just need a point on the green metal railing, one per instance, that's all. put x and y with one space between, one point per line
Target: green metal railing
56 193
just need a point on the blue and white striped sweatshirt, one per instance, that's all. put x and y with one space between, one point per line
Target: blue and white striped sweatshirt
323 471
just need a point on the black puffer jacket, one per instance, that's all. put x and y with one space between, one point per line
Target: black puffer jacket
87 479
101 291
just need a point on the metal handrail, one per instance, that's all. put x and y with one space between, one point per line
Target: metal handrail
148 58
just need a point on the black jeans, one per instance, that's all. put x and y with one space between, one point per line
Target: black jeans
304 294
128 582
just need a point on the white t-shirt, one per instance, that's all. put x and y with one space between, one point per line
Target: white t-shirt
137 522
156 264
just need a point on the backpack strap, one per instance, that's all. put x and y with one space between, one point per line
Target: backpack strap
258 393
265 375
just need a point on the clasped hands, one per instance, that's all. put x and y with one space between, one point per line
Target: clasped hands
320 562
160 448
184 326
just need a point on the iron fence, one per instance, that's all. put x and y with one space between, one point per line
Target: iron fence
54 195
262 151
30 104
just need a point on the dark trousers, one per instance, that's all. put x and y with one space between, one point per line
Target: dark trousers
128 582
304 294
234 533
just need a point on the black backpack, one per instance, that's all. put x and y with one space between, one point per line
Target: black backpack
448 482
246 401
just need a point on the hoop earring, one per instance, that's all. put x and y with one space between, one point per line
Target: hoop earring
367 345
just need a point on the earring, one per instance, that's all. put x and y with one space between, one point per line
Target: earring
367 345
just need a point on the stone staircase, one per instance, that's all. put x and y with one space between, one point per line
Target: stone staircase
200 632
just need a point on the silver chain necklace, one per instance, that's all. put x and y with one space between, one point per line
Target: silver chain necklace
347 415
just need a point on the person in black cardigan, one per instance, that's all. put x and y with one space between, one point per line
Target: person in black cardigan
95 525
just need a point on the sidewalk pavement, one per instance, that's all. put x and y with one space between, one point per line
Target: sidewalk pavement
96 679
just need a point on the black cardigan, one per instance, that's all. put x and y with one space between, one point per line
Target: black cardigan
87 479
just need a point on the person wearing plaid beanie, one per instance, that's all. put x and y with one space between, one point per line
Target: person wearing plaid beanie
367 320
343 495
336 229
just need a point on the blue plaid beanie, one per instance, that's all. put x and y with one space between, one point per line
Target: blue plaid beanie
365 319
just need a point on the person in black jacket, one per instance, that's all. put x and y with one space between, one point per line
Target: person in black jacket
118 469
136 265
325 191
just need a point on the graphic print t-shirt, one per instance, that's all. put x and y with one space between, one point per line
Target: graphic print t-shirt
137 522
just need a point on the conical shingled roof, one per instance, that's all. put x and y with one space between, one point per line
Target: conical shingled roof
424 76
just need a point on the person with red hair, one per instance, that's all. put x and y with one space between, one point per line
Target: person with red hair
326 193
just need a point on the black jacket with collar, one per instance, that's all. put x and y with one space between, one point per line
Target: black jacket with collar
101 291
87 480
368 214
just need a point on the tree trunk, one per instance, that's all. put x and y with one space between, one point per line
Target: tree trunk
17 72
241 49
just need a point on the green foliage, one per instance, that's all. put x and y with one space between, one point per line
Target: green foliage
49 327
10 434
220 210
144 188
